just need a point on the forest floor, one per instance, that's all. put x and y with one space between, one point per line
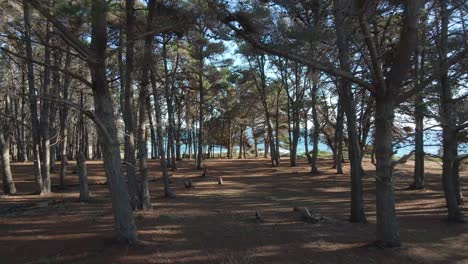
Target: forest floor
214 223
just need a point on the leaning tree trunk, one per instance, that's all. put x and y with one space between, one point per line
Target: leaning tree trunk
123 216
32 99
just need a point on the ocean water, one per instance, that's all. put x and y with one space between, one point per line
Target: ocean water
432 145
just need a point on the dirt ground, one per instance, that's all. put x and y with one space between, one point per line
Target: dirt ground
214 223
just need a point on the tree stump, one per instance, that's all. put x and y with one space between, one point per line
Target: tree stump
188 184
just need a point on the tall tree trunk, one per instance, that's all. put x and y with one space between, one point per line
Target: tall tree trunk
144 196
32 99
128 113
169 95
418 176
201 117
159 130
44 123
63 123
449 131
315 131
123 216
348 104
306 136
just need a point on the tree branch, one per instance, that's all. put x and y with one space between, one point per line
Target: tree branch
328 68
66 35
53 67
90 114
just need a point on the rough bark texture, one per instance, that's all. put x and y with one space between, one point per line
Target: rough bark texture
201 118
387 224
44 123
32 98
8 183
315 131
123 216
128 113
449 132
159 131
63 124
357 213
144 197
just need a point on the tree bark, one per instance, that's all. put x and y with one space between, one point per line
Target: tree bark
357 213
123 216
159 130
7 176
449 132
315 131
32 99
83 177
44 122
128 112
201 117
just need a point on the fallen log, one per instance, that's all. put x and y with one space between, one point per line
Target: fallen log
306 216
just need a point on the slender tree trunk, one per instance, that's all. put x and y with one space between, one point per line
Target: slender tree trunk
339 139
63 123
306 136
144 196
44 122
128 112
418 182
159 130
32 99
168 92
241 141
315 132
449 132
152 130
201 118
348 104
